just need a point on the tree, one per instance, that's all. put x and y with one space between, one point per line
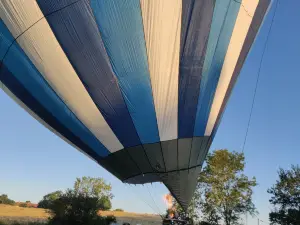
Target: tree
81 204
210 214
23 205
119 210
205 223
286 197
5 200
227 192
104 203
94 187
192 210
77 209
48 199
73 208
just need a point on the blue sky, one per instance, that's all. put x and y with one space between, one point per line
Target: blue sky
34 161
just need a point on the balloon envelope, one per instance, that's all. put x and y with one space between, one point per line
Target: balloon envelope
138 86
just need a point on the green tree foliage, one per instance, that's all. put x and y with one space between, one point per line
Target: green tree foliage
205 223
192 210
94 187
48 199
81 205
23 205
105 203
5 200
286 197
76 209
226 193
119 210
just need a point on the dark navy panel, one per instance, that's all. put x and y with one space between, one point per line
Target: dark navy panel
121 162
154 153
24 96
144 178
182 185
27 75
196 22
77 32
204 150
180 181
257 20
184 150
225 15
138 154
53 6
195 151
121 27
169 149
186 16
110 167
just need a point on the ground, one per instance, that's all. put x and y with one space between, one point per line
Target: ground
35 214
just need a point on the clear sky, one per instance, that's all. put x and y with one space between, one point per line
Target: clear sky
34 162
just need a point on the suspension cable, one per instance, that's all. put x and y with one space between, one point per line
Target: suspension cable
258 75
153 200
141 199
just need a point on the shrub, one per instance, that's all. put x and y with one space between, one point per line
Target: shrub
24 205
77 209
36 223
119 210
204 223
110 219
48 199
5 200
104 203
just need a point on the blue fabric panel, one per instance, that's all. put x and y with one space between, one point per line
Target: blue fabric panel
23 95
224 18
77 32
196 22
27 75
257 20
6 39
121 28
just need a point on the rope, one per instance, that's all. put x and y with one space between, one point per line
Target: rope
141 199
244 8
258 76
156 205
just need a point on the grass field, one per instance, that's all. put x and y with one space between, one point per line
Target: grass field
35 214
16 211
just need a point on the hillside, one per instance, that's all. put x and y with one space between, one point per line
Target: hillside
16 211
8 211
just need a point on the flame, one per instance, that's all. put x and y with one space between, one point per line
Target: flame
171 215
168 199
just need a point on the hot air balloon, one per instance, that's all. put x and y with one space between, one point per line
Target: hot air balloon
139 86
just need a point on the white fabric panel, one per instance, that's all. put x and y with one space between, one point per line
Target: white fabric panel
239 34
36 117
162 27
41 46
